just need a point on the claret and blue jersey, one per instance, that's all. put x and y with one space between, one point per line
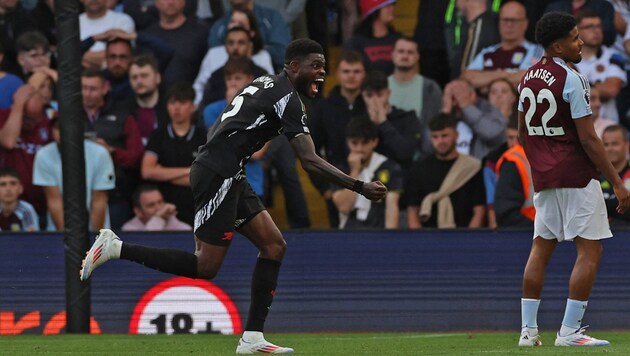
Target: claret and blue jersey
551 96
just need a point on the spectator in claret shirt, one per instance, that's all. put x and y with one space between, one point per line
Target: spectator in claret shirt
508 59
23 130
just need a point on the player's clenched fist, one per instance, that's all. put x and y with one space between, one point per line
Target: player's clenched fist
374 190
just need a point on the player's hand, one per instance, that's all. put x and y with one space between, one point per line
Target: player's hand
623 196
374 190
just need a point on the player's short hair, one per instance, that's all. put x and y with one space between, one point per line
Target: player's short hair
31 40
614 128
180 91
350 56
442 121
146 60
143 188
375 81
238 65
586 14
361 127
299 49
554 26
9 172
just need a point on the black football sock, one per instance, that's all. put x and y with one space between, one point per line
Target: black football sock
162 259
264 282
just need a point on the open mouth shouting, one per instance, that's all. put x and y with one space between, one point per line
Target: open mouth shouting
316 85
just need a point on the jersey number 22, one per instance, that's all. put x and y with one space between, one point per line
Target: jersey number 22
544 130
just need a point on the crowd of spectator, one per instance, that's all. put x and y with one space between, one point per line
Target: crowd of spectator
432 116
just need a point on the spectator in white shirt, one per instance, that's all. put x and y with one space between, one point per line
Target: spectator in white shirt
97 19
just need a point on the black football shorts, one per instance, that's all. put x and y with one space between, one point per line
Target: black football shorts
222 205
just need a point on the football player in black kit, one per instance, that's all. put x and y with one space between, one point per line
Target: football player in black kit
225 202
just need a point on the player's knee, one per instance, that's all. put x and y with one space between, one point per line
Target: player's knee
275 250
207 273
207 269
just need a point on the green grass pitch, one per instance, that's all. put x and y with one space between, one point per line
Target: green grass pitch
473 343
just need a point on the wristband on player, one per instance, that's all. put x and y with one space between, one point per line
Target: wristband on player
358 186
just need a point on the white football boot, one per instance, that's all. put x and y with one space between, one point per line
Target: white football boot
256 344
106 247
529 338
579 338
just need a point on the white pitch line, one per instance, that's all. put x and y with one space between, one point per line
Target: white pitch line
427 336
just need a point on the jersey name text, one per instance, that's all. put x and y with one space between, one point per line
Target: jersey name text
541 74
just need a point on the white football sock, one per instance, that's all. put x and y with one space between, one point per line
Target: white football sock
529 313
573 315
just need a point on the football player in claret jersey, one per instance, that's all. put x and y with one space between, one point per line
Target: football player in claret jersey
225 202
556 129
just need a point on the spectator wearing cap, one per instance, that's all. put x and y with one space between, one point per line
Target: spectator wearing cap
375 36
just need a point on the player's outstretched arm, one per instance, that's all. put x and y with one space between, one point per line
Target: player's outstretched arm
595 151
305 150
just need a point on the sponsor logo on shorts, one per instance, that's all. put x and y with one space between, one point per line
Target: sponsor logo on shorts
227 236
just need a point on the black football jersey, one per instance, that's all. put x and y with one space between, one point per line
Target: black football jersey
263 109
